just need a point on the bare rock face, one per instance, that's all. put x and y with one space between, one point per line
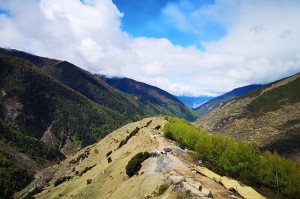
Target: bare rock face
12 108
49 137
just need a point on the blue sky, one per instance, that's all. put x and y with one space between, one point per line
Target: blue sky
151 18
186 47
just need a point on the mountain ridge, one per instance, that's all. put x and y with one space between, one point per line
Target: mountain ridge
269 115
50 107
221 100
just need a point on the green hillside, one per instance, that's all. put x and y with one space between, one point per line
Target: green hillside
155 99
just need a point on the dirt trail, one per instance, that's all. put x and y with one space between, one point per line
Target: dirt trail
163 165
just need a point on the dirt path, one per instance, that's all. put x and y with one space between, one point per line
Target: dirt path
163 165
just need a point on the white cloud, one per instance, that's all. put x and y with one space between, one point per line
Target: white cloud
261 45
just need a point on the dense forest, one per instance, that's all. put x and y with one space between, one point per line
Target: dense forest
240 160
12 177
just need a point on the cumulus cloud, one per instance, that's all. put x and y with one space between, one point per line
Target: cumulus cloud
260 44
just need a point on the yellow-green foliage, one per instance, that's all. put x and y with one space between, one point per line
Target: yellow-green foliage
237 159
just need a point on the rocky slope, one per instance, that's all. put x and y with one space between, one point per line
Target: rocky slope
89 174
270 116
217 102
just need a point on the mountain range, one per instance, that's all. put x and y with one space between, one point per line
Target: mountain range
221 100
195 102
156 99
52 111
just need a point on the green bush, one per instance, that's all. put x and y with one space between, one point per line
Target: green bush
86 169
135 164
133 133
62 180
162 188
158 127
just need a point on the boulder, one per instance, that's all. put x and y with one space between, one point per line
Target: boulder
173 173
193 190
176 179
207 192
193 183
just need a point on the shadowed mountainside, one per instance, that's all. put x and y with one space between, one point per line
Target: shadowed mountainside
156 99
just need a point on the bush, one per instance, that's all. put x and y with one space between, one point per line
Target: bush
108 153
62 180
135 164
81 157
109 160
148 123
157 127
86 169
162 188
88 181
133 133
96 151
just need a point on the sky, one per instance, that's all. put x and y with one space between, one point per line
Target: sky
186 47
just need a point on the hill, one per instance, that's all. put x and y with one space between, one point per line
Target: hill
223 99
99 171
270 116
51 108
195 102
156 99
132 162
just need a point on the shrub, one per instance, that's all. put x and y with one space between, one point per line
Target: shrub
148 123
88 181
162 188
81 157
108 153
62 180
86 169
109 160
135 164
157 127
96 151
133 133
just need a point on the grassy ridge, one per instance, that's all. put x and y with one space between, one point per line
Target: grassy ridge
238 159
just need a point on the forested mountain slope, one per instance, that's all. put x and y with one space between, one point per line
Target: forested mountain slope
156 99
